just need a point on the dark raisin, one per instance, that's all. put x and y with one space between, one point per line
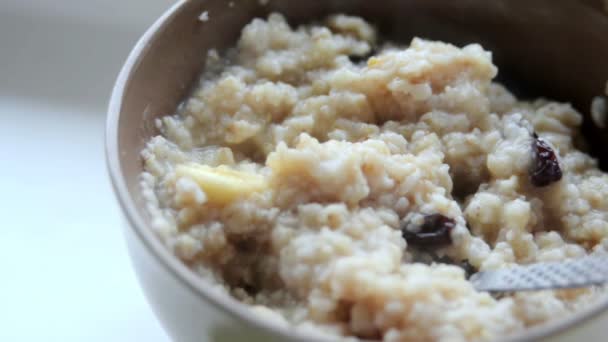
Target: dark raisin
444 260
246 246
250 289
356 59
545 166
469 269
434 231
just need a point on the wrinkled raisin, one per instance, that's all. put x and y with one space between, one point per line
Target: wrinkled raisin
434 231
469 269
250 289
356 59
545 166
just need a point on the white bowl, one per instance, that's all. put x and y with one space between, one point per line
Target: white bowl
166 62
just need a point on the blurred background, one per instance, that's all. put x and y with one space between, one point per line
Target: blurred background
65 273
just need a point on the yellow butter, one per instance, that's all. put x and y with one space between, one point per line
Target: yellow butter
374 61
222 184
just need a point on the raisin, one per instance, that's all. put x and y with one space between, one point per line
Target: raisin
356 59
469 269
545 166
444 260
434 231
250 289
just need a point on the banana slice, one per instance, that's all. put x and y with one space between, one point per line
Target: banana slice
221 184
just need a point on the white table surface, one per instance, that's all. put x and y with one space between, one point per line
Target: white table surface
65 272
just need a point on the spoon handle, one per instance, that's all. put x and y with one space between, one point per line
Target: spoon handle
575 273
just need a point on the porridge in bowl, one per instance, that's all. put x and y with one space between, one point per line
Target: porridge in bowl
349 188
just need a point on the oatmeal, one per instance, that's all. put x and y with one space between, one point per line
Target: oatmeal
349 188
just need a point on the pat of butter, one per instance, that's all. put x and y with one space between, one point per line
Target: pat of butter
222 184
374 61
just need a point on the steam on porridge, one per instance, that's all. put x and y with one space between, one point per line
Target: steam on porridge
352 194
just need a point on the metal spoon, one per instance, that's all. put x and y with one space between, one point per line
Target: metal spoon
569 274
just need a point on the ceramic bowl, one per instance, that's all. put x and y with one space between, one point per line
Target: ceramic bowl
546 47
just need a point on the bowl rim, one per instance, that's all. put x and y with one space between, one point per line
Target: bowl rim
196 285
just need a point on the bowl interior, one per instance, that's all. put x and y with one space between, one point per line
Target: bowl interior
557 49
